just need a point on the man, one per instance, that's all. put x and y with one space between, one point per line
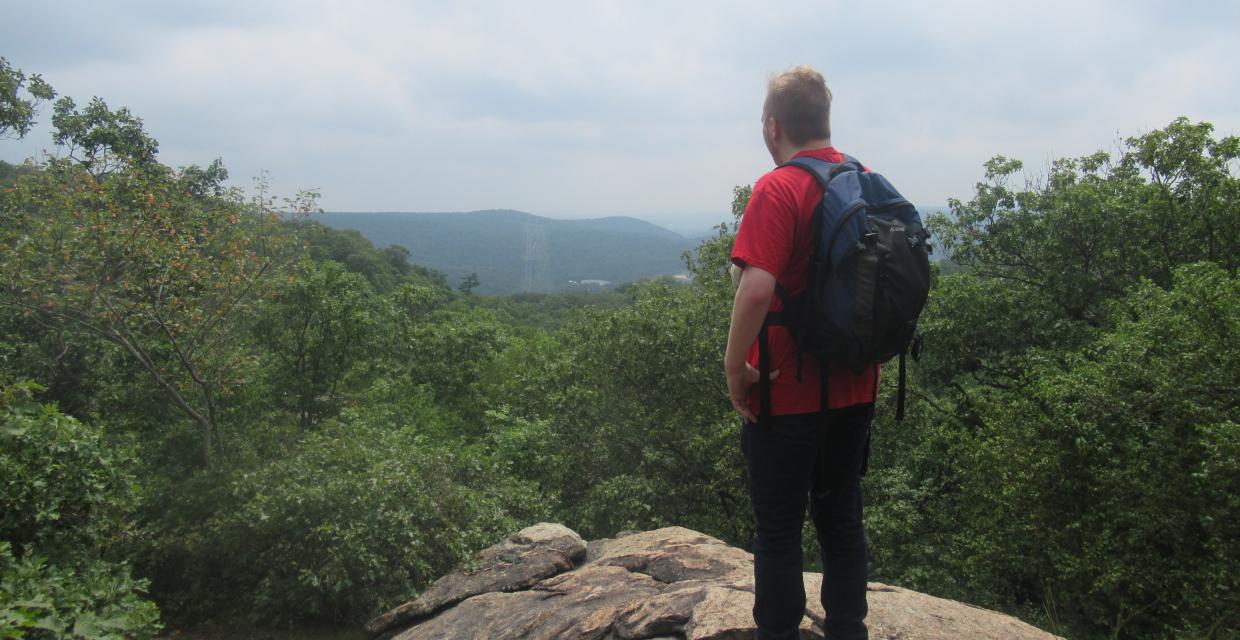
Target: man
796 451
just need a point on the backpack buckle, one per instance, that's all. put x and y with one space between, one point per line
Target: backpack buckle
866 241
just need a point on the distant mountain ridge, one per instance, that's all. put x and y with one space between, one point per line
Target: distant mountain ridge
514 251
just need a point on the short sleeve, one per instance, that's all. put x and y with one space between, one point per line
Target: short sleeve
766 235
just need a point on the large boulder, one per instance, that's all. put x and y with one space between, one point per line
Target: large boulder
545 582
516 564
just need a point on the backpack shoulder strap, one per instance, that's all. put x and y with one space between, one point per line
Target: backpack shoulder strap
822 170
773 319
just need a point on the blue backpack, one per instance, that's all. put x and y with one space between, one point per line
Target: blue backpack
868 278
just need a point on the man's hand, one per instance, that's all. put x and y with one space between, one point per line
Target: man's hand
738 389
753 296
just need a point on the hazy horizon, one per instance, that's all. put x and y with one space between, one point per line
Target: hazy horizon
572 109
688 225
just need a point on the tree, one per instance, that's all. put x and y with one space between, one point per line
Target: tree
17 112
1104 490
102 140
359 516
469 283
66 509
446 350
318 329
1097 224
632 428
386 269
163 264
1073 451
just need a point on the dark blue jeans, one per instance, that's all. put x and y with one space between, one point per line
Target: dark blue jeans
793 460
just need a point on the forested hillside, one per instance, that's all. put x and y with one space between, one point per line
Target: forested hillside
215 409
516 252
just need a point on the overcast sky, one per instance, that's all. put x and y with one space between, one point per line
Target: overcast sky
650 109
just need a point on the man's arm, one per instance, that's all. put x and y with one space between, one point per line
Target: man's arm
753 297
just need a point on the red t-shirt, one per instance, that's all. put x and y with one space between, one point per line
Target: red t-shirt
775 236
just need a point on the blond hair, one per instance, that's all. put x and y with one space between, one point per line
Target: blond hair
800 100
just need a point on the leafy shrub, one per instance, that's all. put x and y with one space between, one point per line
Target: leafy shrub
61 489
362 517
1101 493
97 601
631 417
317 330
66 495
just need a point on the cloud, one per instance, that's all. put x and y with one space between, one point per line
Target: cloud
645 108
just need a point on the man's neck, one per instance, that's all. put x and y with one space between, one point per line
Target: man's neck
792 150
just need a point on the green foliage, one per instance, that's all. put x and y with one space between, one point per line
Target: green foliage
980 330
101 140
447 351
361 517
64 495
1133 476
1070 454
386 269
542 313
98 601
1095 226
631 427
1112 477
10 172
640 408
68 364
1073 455
469 282
17 112
62 490
318 329
527 363
147 261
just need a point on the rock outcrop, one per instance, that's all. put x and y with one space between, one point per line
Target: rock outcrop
545 582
